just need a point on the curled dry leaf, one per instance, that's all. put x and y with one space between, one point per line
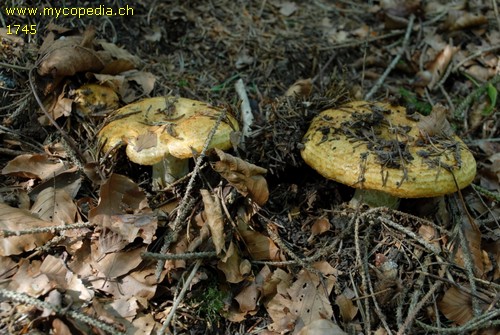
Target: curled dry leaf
458 20
215 220
304 302
437 67
123 209
55 205
347 309
435 124
321 327
249 296
260 247
456 305
56 106
246 177
15 219
230 265
41 166
69 55
319 226
300 89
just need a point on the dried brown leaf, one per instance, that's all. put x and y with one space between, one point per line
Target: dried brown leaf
7 269
15 219
347 309
321 327
246 177
320 226
435 124
69 55
116 264
230 265
215 220
479 256
55 205
304 302
123 209
437 67
249 296
458 20
60 328
146 140
300 89
39 166
456 305
56 107
29 280
60 276
259 246
136 84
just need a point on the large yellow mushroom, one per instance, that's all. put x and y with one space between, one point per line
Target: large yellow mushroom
379 148
164 132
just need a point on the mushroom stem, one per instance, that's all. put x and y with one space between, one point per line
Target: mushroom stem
374 198
168 170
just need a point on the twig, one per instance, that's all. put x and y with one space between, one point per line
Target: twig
349 44
363 272
189 255
475 55
411 234
28 300
179 298
479 322
493 195
68 139
414 309
15 67
38 230
396 59
186 202
366 273
469 268
246 111
495 10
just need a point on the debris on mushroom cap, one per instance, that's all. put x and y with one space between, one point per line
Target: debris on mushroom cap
155 127
378 146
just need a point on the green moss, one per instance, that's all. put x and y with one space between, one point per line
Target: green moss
411 100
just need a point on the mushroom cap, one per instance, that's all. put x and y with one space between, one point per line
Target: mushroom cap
376 146
155 127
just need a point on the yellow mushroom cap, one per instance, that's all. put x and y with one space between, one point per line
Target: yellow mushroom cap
155 127
376 146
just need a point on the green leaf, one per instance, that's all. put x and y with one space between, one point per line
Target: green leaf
492 94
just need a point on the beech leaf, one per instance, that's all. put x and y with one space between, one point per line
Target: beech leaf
246 177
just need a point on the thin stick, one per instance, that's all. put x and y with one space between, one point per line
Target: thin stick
77 315
396 59
185 256
179 298
38 230
68 139
495 10
246 111
16 67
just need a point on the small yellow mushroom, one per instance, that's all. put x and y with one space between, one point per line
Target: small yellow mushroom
164 132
